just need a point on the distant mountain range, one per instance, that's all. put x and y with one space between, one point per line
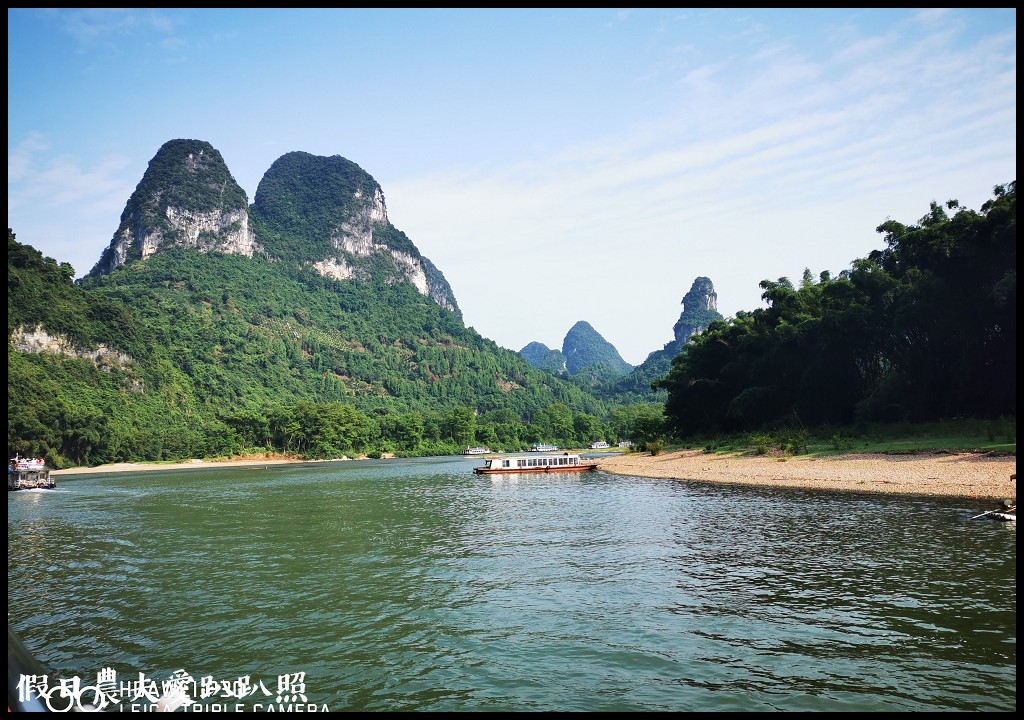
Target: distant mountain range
584 349
304 322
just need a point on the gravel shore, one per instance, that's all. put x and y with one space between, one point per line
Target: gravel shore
971 475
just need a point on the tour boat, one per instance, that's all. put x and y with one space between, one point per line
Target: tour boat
28 474
535 464
543 448
476 451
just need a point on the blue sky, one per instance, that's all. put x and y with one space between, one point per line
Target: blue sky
557 165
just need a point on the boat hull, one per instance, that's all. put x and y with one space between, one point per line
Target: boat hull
30 481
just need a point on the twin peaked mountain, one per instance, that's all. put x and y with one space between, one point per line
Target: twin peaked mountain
324 212
328 215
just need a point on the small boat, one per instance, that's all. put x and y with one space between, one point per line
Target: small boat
28 474
476 451
543 463
1007 511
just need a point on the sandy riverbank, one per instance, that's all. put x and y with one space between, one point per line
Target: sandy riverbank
972 475
188 465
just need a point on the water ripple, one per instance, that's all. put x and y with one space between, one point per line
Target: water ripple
415 585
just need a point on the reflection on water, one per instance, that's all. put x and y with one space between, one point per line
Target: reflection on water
416 585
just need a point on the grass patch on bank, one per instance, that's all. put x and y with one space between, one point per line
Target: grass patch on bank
993 436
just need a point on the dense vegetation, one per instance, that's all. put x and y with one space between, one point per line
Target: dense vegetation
303 198
542 357
226 354
921 331
584 347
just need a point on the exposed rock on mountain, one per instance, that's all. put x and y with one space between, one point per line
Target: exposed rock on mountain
700 309
329 213
326 213
186 198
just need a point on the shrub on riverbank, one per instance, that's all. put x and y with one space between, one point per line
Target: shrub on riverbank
993 436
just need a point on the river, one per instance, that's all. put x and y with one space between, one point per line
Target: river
416 585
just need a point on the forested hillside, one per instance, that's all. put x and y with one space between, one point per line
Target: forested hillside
222 354
922 330
584 352
305 323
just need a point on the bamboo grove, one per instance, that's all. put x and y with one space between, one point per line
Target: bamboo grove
922 330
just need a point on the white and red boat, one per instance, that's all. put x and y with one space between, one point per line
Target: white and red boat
566 462
28 474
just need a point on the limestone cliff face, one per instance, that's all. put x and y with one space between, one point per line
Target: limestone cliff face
37 340
330 214
700 309
438 288
323 212
187 198
353 238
